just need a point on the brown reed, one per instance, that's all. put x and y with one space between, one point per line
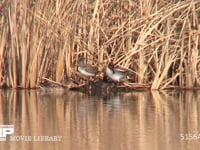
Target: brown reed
157 41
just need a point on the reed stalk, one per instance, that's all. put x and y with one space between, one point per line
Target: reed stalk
157 41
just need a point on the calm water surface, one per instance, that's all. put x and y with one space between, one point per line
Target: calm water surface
114 121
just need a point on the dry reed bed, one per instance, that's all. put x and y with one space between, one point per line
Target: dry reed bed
157 41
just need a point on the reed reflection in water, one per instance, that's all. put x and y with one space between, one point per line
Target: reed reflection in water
126 121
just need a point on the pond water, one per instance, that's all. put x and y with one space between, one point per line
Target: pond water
72 120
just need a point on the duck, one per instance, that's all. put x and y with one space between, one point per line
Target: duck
86 69
115 74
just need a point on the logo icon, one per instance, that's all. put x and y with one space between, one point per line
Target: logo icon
5 130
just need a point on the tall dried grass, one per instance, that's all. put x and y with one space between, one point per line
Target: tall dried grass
157 41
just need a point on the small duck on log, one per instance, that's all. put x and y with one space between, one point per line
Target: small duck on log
86 69
116 74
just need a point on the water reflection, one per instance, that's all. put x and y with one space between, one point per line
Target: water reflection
139 120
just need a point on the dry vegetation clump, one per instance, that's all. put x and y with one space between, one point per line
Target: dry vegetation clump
157 41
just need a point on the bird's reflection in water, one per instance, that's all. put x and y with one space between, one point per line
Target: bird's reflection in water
109 121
